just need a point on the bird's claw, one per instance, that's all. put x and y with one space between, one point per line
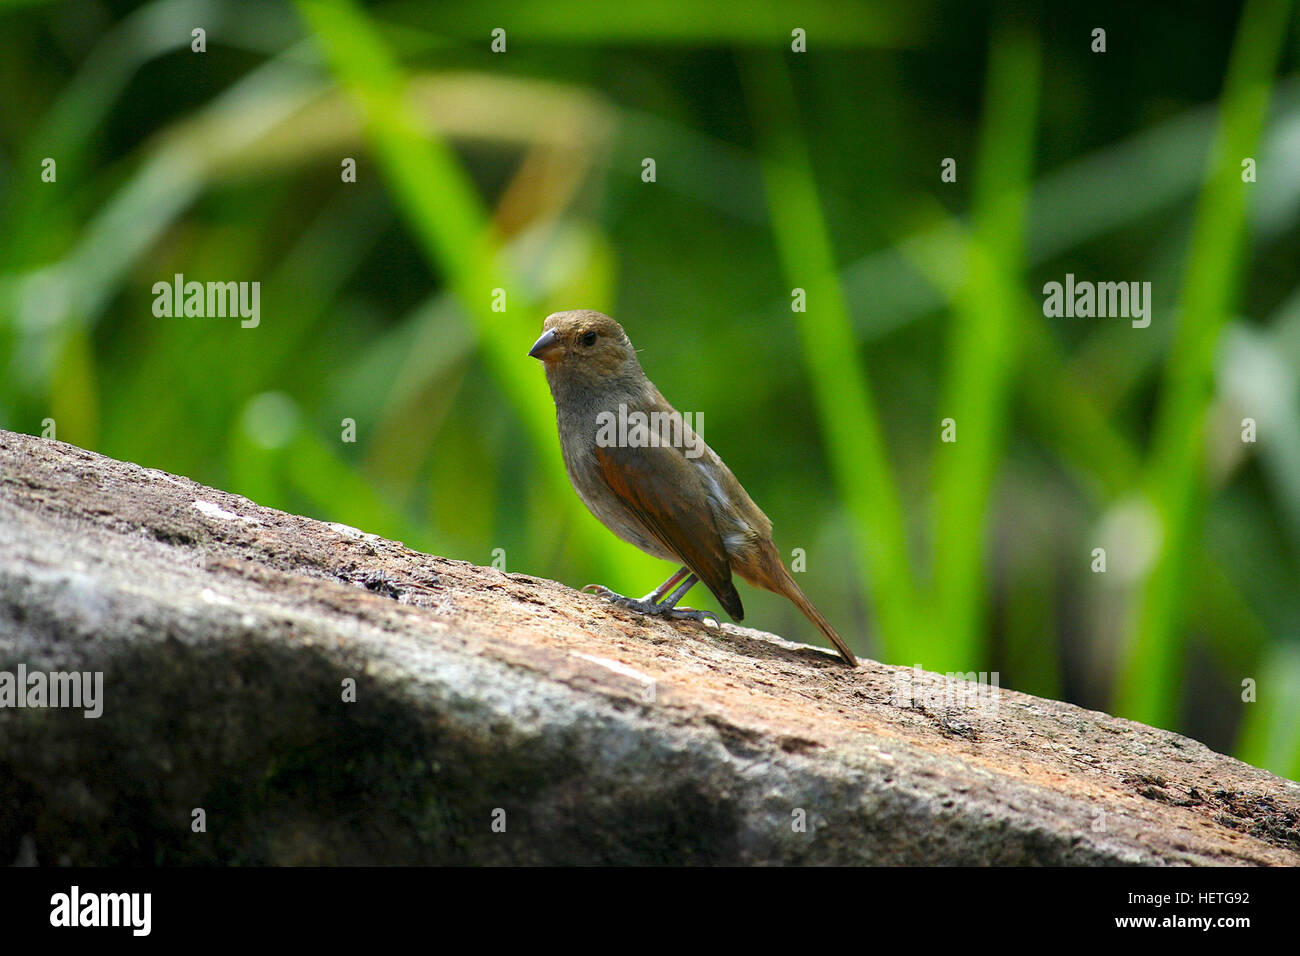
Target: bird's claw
643 605
690 614
650 608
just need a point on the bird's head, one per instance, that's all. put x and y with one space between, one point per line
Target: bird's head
584 347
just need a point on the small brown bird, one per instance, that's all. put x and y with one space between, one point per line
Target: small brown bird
644 472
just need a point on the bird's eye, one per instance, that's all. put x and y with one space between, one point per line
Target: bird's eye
589 339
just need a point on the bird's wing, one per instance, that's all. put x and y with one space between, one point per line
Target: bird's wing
655 485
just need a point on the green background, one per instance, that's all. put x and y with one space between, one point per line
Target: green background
775 170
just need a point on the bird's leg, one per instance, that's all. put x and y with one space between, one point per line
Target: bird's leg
644 604
655 603
657 594
668 606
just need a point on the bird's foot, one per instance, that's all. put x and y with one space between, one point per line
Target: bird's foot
690 614
648 606
645 605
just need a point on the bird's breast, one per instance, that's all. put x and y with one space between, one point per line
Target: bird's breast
578 445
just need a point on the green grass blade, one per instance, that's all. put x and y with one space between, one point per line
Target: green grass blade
837 378
447 218
983 350
1270 735
828 23
1148 687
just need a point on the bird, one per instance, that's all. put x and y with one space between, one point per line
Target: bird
649 478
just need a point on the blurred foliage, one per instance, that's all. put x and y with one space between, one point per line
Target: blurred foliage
521 171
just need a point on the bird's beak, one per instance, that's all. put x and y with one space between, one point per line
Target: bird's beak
545 346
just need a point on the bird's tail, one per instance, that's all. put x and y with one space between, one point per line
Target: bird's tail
792 591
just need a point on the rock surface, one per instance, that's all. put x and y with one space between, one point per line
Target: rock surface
226 632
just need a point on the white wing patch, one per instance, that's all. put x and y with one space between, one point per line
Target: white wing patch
715 491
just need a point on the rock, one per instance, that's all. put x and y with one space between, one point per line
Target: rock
502 718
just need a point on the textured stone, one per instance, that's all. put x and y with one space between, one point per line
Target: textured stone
225 632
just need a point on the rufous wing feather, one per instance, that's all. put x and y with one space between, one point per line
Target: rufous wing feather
643 480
